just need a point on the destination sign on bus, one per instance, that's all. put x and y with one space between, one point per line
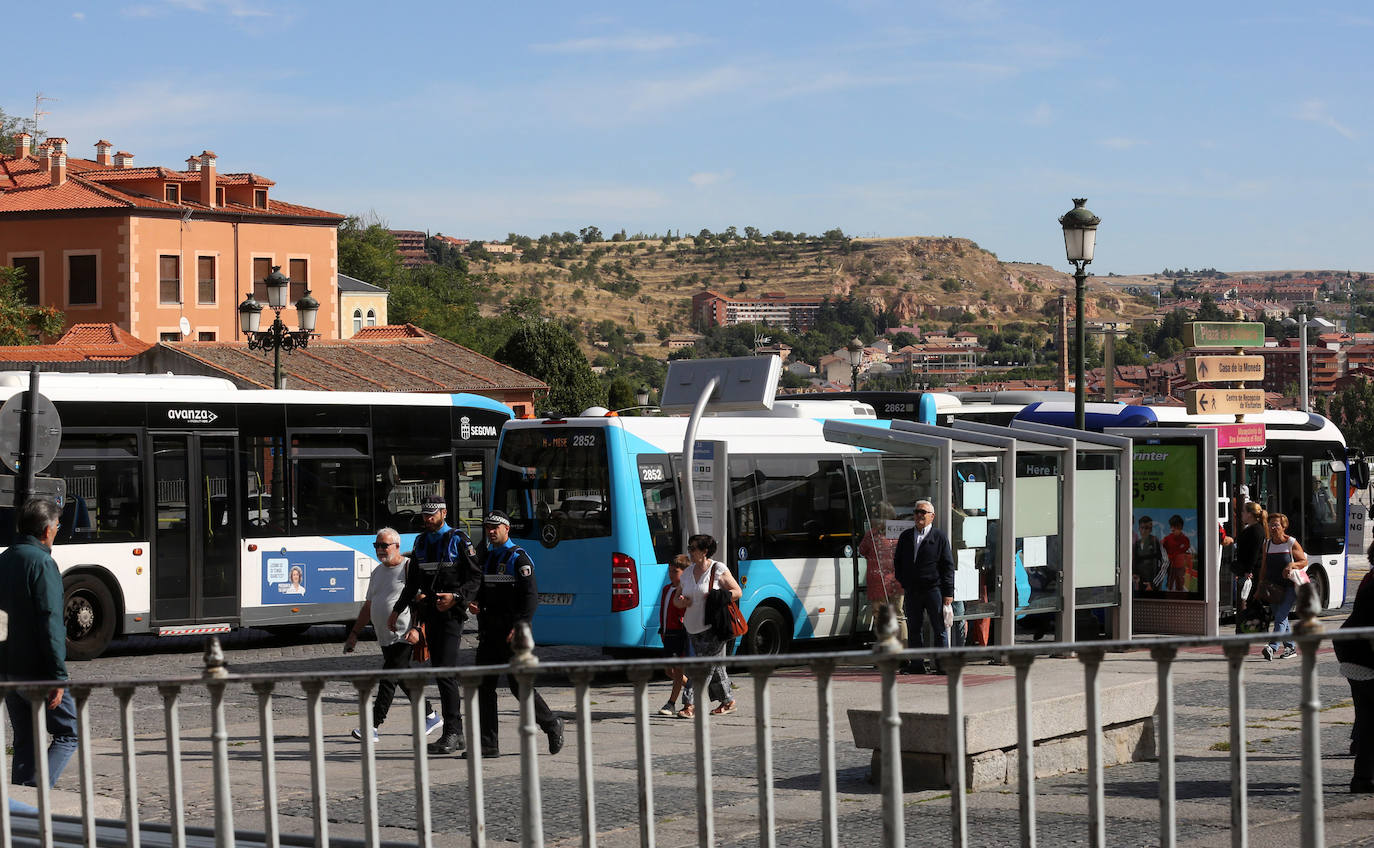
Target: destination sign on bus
1224 334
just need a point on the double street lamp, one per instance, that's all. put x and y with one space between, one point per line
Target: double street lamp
276 337
856 358
1080 237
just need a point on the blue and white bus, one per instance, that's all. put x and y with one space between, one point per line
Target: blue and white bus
195 507
595 501
1302 471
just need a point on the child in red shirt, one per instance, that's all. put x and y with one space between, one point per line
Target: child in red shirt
1176 548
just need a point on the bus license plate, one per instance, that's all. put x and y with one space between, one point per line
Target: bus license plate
556 599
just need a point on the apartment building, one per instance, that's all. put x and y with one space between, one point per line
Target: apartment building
776 309
165 254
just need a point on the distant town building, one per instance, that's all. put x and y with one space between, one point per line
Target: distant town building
776 309
361 305
411 245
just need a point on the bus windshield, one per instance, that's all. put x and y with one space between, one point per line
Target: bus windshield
555 484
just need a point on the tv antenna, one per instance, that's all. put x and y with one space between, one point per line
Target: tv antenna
38 100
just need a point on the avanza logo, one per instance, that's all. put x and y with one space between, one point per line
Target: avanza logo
192 416
466 429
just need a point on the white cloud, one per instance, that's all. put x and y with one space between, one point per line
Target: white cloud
1315 111
1122 143
701 179
645 43
1041 116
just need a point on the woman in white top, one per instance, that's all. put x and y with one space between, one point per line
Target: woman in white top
706 574
1282 557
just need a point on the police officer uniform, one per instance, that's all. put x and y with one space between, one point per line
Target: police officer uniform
442 561
508 595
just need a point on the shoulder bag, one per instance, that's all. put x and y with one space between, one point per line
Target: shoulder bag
738 626
1270 592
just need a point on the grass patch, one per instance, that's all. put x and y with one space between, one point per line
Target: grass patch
1219 746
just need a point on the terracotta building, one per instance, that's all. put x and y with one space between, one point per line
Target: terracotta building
156 250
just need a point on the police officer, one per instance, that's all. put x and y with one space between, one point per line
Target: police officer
507 597
443 576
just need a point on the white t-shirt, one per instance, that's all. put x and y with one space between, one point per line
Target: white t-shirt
383 590
694 617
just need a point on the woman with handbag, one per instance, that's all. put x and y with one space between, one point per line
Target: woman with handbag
1249 559
1285 565
706 574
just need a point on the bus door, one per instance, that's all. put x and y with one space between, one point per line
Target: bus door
196 534
1292 500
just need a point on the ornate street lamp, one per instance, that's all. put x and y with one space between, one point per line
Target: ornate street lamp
642 396
1080 237
856 358
276 337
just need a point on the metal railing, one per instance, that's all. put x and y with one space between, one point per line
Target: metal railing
887 655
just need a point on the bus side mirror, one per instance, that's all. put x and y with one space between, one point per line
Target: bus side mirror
1359 473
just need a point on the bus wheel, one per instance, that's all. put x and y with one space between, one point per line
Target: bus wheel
89 611
769 633
1318 579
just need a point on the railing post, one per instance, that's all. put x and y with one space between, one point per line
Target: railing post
132 828
701 726
1236 652
319 800
582 679
763 745
825 717
888 650
644 761
523 664
1025 748
267 737
958 748
82 696
215 675
1164 659
371 832
1309 638
1092 705
171 694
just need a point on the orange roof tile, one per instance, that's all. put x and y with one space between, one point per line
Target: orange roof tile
80 335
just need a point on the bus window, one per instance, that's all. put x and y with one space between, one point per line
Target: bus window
102 474
331 483
1325 515
659 490
265 486
804 504
555 479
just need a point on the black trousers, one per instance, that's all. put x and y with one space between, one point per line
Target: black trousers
444 634
493 649
395 656
1362 734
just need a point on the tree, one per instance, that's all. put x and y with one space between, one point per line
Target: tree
1352 410
367 251
546 350
590 234
10 126
21 322
620 395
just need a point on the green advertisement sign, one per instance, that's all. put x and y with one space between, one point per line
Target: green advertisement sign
1166 558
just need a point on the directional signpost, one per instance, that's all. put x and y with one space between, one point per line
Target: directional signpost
1212 369
1233 370
1225 334
1225 401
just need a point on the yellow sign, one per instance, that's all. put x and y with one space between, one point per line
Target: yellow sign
1220 369
1225 401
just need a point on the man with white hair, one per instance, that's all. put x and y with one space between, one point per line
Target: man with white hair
925 567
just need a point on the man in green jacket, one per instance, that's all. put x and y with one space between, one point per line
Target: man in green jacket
33 641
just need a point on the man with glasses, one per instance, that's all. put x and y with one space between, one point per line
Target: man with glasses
925 567
384 587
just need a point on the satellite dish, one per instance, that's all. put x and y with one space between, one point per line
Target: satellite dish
185 326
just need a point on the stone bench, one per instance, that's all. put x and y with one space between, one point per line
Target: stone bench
1058 723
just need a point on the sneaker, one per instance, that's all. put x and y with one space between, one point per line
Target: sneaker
358 734
433 722
1268 652
1289 651
449 743
669 709
556 737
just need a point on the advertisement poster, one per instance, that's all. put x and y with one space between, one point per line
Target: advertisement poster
1165 555
307 577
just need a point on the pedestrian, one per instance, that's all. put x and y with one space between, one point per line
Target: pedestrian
442 579
1285 564
34 646
881 583
925 568
1356 657
706 574
383 588
1249 560
674 634
507 597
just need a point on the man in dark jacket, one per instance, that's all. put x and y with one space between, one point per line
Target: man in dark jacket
924 563
1356 658
508 596
33 645
443 577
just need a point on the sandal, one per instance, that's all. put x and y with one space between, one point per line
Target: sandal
725 708
688 711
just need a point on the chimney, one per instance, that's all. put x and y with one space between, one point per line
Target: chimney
58 170
123 159
207 178
193 163
22 144
45 154
102 153
59 145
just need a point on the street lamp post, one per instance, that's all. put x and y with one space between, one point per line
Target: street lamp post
276 337
856 358
1080 237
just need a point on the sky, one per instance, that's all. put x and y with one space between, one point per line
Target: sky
1204 134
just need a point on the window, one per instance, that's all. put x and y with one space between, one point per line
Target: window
371 318
659 490
557 479
169 336
219 195
797 506
300 279
104 498
357 320
172 192
261 269
205 280
331 483
82 280
260 198
205 336
414 462
29 265
169 279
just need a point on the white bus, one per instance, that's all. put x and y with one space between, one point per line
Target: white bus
195 507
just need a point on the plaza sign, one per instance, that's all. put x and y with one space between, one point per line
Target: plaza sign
1224 334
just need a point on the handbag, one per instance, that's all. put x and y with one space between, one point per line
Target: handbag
738 626
1272 593
419 652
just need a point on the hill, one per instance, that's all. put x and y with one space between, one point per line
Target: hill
645 285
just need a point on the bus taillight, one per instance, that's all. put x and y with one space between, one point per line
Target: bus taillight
624 583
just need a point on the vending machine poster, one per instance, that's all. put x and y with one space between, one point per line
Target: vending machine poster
1165 554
